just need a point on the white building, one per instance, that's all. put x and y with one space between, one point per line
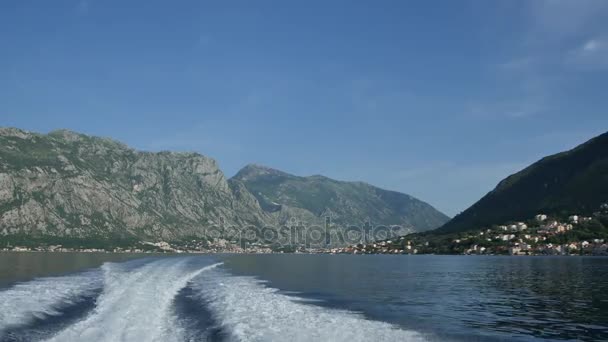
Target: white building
515 250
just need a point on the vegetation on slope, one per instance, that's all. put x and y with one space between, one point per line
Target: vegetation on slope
574 181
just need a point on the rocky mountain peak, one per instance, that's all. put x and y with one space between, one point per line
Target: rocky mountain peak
14 133
252 171
67 135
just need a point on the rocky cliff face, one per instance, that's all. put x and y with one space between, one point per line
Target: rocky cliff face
69 184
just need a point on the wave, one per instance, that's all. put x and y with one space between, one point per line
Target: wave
136 304
39 299
250 311
176 299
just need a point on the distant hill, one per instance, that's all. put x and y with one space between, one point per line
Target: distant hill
574 181
348 203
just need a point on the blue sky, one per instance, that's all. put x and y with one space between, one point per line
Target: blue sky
438 99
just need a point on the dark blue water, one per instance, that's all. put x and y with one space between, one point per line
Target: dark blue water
453 297
312 298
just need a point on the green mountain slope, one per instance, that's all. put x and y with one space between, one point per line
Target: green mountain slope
348 203
574 181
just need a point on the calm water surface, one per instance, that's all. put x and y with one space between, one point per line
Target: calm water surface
84 297
24 266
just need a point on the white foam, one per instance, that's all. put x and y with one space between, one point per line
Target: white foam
135 304
250 311
39 298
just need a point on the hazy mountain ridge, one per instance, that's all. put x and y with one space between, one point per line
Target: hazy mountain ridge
348 203
70 184
574 181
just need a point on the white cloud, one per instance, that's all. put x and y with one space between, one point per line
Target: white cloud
562 30
590 55
556 20
560 38
558 28
591 45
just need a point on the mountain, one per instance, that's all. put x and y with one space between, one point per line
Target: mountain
574 181
348 203
70 185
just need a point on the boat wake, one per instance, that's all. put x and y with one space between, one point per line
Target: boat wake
28 306
174 299
250 311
